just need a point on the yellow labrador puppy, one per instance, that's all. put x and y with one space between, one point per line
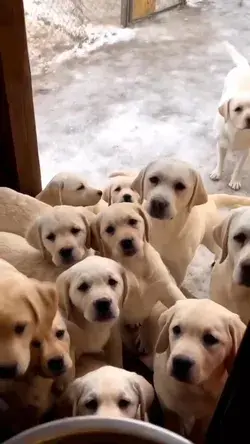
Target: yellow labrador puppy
230 281
119 188
182 214
110 392
55 241
20 210
91 294
194 354
121 232
232 122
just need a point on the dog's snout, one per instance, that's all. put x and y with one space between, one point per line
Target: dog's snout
99 192
245 273
158 208
66 253
103 305
56 365
8 371
128 246
181 367
127 198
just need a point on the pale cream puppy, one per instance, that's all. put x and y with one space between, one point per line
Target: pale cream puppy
119 188
182 214
230 280
195 352
232 122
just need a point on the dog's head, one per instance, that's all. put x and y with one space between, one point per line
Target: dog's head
233 236
69 189
201 339
62 234
169 186
236 111
119 189
120 231
26 305
51 350
96 287
111 392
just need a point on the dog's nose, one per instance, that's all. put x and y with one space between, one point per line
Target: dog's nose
103 306
181 367
128 246
66 253
99 192
158 208
8 371
56 365
245 273
248 122
127 198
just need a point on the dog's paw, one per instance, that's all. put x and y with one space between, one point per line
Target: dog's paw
215 175
235 185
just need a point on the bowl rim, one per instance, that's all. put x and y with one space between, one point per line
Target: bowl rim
67 426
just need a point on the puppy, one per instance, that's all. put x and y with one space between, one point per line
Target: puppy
119 189
91 295
194 354
26 306
182 214
232 122
121 233
110 392
56 240
230 281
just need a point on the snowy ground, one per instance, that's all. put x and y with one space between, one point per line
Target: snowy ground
153 92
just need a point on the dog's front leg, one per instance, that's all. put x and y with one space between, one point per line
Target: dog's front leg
235 182
113 348
221 154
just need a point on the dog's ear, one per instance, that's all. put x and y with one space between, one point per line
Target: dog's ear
88 218
138 183
199 196
221 233
62 287
224 109
145 393
106 194
146 220
34 236
236 330
44 302
164 321
96 241
52 193
68 403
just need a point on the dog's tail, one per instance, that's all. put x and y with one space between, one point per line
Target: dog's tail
230 201
237 58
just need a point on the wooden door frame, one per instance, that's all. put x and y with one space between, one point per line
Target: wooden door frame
19 159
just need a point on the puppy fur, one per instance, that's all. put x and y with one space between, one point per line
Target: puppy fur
121 233
230 280
55 241
195 351
92 293
232 122
182 214
110 392
119 188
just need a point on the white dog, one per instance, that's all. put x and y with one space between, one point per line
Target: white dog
232 122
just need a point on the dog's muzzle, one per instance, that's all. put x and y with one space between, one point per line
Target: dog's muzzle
181 368
128 247
159 208
103 309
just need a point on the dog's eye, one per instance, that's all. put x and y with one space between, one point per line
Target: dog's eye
123 403
154 180
132 222
20 328
81 187
110 229
238 109
60 334
179 186
92 405
84 286
36 344
240 238
51 237
209 339
118 189
112 282
75 231
177 330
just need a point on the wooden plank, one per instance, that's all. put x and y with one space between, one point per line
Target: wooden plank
142 8
124 13
18 142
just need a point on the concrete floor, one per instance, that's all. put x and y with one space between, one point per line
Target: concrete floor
156 94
